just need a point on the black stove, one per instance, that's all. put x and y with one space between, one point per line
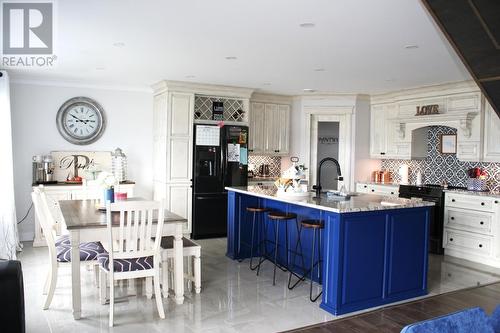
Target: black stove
433 193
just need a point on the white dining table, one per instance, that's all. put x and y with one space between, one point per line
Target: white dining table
86 223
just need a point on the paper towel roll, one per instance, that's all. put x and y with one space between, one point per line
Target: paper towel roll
403 174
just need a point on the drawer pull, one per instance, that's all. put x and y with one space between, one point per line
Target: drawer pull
392 192
481 223
482 203
452 217
451 239
480 245
452 200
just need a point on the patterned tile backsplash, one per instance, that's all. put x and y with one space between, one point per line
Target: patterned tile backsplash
273 161
438 167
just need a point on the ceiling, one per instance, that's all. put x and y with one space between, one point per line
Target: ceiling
355 46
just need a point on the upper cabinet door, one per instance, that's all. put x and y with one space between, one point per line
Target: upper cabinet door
181 113
377 132
257 139
284 129
272 123
491 152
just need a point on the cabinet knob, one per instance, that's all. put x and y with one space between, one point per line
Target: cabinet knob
250 150
480 245
496 201
481 223
482 203
452 218
365 186
452 200
373 190
451 239
392 192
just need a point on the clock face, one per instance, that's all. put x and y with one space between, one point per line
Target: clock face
80 120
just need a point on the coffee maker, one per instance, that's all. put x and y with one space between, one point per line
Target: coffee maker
43 169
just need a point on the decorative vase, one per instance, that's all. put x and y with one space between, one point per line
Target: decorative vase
109 195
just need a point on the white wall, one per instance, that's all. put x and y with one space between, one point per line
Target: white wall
129 126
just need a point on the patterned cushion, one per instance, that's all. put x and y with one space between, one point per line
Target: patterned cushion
63 240
88 251
125 265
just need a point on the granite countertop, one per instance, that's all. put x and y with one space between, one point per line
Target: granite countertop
360 202
491 194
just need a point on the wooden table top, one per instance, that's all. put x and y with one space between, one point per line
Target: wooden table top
82 214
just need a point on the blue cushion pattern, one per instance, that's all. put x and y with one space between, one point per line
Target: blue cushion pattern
88 251
63 240
125 265
465 321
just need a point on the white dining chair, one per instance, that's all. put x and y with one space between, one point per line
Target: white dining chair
59 247
132 253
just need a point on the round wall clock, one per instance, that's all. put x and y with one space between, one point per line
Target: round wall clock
81 120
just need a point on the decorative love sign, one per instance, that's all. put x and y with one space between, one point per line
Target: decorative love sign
425 110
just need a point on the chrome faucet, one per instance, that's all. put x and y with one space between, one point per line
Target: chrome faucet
317 187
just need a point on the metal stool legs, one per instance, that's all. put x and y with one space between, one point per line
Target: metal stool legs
315 298
298 245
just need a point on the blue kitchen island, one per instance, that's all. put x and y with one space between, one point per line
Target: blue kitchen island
373 248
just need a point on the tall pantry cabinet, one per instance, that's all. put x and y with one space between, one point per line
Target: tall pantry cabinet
173 150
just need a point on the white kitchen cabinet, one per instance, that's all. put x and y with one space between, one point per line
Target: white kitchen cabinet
378 132
471 227
378 189
173 150
257 140
491 137
269 129
55 193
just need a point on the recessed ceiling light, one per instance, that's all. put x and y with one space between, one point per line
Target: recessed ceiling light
307 25
266 83
119 44
411 46
308 90
390 79
190 76
100 68
319 69
231 58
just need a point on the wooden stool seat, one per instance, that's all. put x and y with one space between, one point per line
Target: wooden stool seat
281 216
316 224
257 209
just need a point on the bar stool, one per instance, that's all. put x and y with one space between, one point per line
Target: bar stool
316 226
276 218
255 211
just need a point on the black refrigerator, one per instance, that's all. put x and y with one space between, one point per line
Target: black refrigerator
220 159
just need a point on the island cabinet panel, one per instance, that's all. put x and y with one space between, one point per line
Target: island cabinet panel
363 255
407 255
369 258
374 258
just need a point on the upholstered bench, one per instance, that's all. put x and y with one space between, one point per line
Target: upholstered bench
465 321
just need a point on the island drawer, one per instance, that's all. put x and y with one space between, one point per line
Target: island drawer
467 242
482 203
468 220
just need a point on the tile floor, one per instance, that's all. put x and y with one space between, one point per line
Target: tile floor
233 299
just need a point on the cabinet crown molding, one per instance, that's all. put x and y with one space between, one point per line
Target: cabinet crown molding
202 89
447 89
